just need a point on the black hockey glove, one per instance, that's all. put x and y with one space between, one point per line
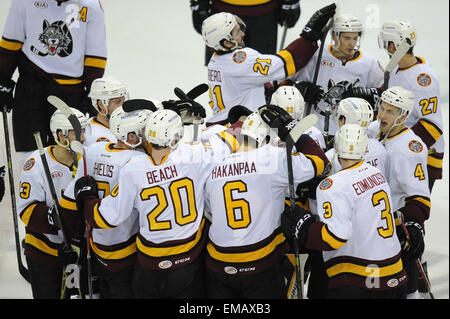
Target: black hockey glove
236 112
295 224
52 218
67 255
2 182
311 92
289 13
371 95
6 93
187 109
313 29
84 186
416 245
199 10
307 190
277 118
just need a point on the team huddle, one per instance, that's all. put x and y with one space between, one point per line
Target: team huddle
146 211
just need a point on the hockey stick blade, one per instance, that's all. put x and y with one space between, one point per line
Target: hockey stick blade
299 128
197 91
63 107
138 104
396 57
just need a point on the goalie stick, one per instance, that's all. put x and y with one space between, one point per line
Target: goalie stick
77 147
395 58
22 269
291 139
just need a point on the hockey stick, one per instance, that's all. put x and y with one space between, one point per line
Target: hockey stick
22 269
395 58
77 147
319 59
191 95
418 263
291 139
283 37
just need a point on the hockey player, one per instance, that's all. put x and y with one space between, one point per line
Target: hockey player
356 231
114 250
245 241
36 208
415 74
406 174
107 94
236 74
342 66
355 110
59 48
166 188
289 98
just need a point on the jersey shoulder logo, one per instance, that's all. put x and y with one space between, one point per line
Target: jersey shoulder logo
326 184
102 139
29 164
239 56
423 79
415 146
56 39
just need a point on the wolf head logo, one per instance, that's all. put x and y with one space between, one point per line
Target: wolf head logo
56 38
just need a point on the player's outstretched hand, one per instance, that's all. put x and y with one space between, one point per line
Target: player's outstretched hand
277 118
84 186
313 29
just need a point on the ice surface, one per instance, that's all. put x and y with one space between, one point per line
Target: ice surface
152 48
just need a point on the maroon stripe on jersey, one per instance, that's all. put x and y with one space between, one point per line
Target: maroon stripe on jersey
420 130
302 51
116 265
314 238
416 210
434 172
39 255
383 283
38 221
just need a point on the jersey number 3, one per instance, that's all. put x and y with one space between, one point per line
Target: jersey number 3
377 198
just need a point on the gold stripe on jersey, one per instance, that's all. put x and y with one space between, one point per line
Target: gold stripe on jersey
433 161
95 62
421 199
25 215
289 65
249 256
230 140
331 239
95 121
432 129
68 203
171 250
68 81
245 2
365 271
115 254
39 244
11 45
318 163
99 221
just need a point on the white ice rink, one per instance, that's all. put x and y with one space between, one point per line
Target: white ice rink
153 47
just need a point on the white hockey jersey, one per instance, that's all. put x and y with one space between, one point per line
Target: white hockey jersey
376 156
61 38
406 171
245 196
35 191
364 68
114 247
97 132
357 230
169 198
238 78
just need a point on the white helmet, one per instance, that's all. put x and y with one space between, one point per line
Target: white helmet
164 128
59 122
256 128
346 23
399 97
121 123
350 142
289 98
217 28
355 110
396 31
104 89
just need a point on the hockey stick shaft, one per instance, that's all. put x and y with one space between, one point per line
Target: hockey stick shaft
395 58
283 37
292 138
22 269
